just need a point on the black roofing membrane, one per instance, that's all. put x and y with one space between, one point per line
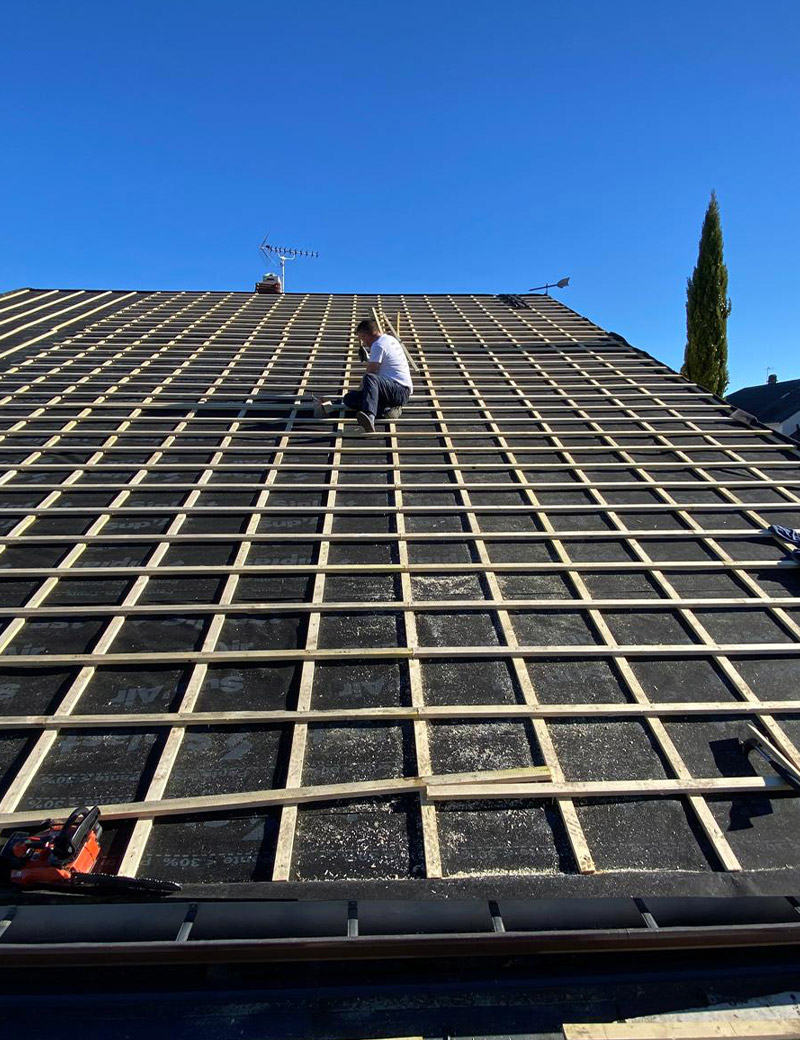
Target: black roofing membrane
521 420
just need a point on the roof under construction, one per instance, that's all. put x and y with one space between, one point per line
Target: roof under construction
270 646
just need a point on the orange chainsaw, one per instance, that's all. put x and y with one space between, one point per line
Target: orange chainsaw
64 855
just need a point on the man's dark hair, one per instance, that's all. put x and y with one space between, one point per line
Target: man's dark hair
370 326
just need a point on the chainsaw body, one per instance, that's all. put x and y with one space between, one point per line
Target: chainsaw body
57 853
64 855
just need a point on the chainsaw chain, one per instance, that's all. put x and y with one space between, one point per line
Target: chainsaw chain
128 884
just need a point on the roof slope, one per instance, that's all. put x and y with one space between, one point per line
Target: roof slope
553 557
769 402
31 316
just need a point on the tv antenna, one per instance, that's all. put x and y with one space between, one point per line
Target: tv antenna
282 254
561 284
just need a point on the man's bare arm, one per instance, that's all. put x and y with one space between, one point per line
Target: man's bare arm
373 367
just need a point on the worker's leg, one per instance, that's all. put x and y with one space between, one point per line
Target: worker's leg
352 399
371 394
375 397
393 396
378 394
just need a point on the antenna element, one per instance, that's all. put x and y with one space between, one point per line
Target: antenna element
282 254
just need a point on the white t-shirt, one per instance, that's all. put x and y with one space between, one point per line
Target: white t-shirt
387 352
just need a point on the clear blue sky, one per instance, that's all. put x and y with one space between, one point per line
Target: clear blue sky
436 146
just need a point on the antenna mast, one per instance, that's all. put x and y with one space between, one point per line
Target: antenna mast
282 254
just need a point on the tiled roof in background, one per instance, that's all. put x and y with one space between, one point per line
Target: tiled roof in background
769 402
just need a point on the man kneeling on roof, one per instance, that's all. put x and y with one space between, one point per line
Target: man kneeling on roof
385 387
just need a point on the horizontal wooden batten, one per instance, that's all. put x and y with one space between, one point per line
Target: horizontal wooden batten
357 446
417 488
420 606
655 651
386 716
474 510
401 467
552 567
344 537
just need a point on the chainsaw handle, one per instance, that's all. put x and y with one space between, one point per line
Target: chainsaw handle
72 836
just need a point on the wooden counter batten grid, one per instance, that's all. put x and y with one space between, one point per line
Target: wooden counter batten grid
106 427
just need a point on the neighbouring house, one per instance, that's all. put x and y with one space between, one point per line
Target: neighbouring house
773 403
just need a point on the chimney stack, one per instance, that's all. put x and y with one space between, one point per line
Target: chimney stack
269 284
772 379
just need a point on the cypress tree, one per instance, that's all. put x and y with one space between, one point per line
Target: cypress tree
707 309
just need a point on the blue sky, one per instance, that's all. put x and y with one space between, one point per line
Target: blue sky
439 146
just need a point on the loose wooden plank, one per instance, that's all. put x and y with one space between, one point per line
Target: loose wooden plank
613 788
519 775
195 805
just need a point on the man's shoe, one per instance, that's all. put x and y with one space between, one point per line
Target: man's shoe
392 413
366 422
